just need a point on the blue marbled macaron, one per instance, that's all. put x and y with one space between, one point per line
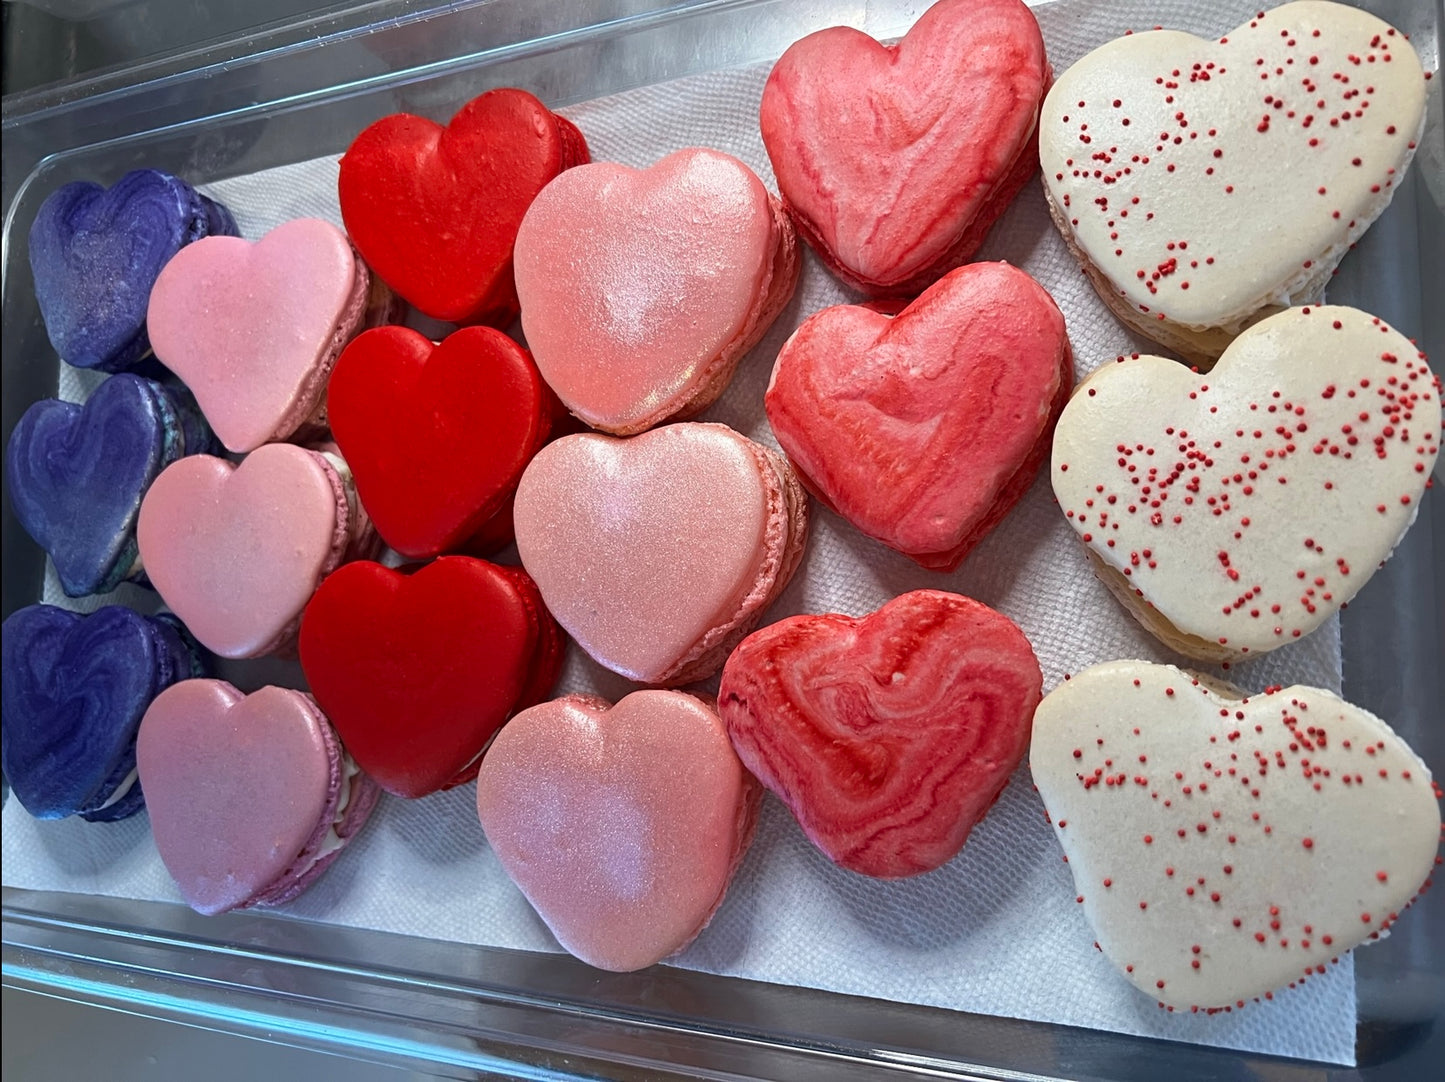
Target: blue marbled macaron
95 253
77 473
74 689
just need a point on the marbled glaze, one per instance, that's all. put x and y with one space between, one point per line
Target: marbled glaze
889 736
95 254
924 429
77 473
74 690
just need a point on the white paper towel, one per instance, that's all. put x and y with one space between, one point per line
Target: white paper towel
996 931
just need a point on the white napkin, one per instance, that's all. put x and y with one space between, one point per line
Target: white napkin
996 931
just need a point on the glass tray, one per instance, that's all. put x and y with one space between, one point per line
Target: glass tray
302 89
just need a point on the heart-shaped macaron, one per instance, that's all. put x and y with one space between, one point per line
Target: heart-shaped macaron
437 435
95 253
251 797
1224 846
621 824
1201 183
894 160
890 736
77 473
435 209
237 551
924 429
418 671
74 689
642 289
1236 511
254 329
658 553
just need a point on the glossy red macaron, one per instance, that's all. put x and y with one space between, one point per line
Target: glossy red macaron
418 671
434 210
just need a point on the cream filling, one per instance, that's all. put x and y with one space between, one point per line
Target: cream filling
120 790
333 840
348 486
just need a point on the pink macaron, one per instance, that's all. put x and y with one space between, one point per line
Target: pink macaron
251 797
254 329
237 551
621 824
642 289
658 553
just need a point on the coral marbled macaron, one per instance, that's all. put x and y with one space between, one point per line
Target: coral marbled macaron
1234 512
75 688
1198 202
641 289
254 329
77 474
621 824
924 429
888 736
251 797
237 551
1226 845
894 160
95 253
658 553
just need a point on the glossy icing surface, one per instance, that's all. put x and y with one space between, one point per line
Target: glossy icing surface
1224 847
924 428
642 546
251 328
633 282
236 786
621 824
237 551
888 736
887 154
1248 504
1205 179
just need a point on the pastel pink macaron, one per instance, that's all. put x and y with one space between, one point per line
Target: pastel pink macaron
924 429
641 289
894 160
254 329
237 551
658 553
621 824
251 797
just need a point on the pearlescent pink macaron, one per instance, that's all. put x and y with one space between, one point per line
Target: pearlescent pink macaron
621 824
251 797
237 551
660 552
254 329
642 289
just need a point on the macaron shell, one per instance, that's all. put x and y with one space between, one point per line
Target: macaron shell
918 428
1222 846
437 435
435 210
95 254
418 671
887 154
888 736
634 282
237 551
640 547
252 328
1267 170
1247 505
75 688
236 785
621 825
